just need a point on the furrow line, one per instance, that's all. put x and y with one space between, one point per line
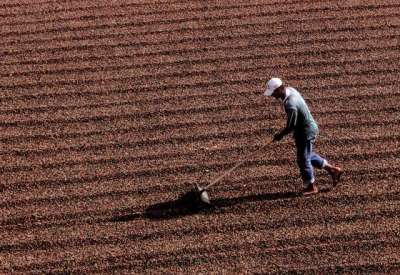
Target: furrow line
18 5
155 127
170 156
165 87
184 29
249 80
239 185
285 222
139 79
170 100
166 210
219 255
45 152
281 244
185 139
45 245
188 73
196 39
182 169
170 209
158 100
202 18
182 80
363 268
136 152
118 142
184 110
125 263
165 12
13 139
258 183
137 24
94 8
64 59
244 227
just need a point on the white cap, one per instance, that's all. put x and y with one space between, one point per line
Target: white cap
272 84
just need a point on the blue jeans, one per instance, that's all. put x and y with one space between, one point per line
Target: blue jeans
307 159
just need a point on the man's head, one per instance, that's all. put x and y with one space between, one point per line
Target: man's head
275 88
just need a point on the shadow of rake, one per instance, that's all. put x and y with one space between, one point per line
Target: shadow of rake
186 205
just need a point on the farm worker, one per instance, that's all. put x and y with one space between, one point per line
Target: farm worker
305 131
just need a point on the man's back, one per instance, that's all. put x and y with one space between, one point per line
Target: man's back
303 124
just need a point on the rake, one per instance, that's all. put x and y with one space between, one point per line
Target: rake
199 193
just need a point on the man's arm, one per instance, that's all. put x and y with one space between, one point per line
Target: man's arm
290 124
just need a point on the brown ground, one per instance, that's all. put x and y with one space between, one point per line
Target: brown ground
110 111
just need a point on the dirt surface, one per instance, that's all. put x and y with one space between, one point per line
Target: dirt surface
111 110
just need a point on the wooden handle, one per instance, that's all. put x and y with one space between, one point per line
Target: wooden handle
231 170
224 174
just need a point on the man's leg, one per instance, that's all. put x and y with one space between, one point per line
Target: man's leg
321 163
317 161
304 153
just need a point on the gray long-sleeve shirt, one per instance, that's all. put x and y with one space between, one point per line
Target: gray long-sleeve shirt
299 118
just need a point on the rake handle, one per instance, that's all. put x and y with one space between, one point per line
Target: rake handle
231 170
224 174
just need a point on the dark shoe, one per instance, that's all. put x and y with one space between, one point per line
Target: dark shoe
311 189
336 174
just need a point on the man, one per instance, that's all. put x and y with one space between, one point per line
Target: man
305 130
